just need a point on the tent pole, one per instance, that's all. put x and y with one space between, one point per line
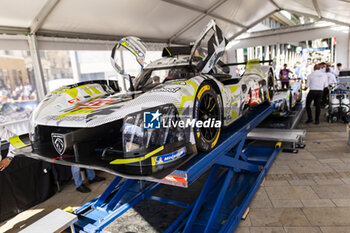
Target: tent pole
38 70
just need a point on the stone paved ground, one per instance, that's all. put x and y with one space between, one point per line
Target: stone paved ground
309 191
305 192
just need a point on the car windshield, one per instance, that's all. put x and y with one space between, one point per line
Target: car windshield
149 78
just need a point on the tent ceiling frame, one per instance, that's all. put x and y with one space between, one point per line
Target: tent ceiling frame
50 5
44 12
193 8
316 16
91 36
203 14
317 8
275 4
14 30
286 30
253 24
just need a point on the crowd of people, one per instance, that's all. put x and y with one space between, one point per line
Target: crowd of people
20 93
316 80
301 71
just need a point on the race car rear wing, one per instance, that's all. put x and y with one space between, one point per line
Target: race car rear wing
246 63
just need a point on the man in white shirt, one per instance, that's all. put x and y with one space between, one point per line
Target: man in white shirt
331 80
337 69
6 149
316 82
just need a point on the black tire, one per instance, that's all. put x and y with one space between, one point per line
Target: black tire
270 87
207 105
300 96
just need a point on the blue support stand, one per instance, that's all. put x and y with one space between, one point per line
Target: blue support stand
236 172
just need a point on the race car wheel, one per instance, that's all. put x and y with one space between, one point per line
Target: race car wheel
300 97
207 107
270 87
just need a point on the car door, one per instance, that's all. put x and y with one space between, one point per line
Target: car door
215 47
134 46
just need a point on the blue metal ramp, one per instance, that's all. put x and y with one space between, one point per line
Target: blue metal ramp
235 170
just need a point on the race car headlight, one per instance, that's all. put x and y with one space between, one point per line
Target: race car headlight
151 128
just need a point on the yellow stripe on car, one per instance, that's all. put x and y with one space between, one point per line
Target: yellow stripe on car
72 92
134 160
216 139
128 46
88 89
17 142
233 89
186 98
168 51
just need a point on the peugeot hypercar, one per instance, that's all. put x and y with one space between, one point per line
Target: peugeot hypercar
173 109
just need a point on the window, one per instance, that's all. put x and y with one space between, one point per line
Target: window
56 68
2 82
17 88
14 77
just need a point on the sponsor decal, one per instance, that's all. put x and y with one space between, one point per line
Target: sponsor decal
255 96
167 89
58 143
67 118
74 101
151 120
163 159
95 104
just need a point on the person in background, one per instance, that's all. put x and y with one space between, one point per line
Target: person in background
6 155
297 70
331 80
337 69
5 161
316 82
79 182
323 67
284 76
331 77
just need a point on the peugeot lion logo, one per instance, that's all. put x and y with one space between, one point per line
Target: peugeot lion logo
58 143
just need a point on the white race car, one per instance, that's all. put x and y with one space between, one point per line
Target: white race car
173 109
285 100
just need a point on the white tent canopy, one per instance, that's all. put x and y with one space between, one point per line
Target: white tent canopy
152 20
177 21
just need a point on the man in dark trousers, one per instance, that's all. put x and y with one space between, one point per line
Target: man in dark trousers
284 77
316 82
